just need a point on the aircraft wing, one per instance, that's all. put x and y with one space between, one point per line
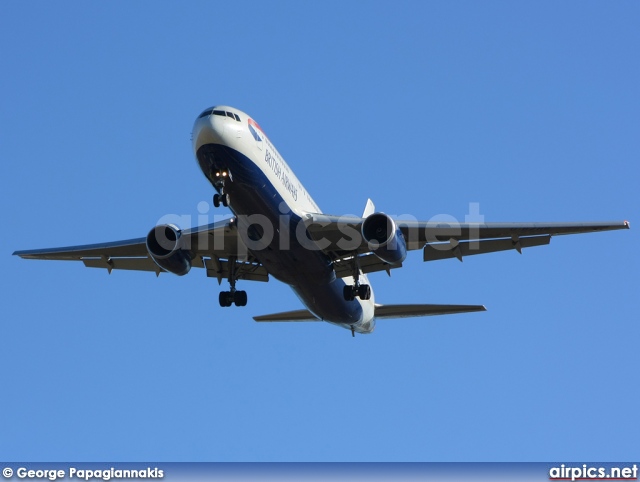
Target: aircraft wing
340 237
209 246
212 245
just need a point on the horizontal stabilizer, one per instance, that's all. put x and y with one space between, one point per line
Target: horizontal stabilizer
296 315
407 311
382 311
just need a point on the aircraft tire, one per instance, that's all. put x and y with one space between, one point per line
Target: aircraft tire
364 292
240 298
348 293
225 299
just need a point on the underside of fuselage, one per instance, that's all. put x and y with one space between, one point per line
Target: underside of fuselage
252 197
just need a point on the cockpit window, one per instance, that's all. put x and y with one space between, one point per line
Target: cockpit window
222 113
206 113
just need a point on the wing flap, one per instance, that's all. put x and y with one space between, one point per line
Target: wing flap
251 271
368 263
433 252
133 264
410 311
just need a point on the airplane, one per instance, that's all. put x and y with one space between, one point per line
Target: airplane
277 230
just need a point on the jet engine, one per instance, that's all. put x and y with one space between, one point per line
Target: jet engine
384 238
166 247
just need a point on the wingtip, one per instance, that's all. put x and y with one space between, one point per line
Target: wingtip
627 225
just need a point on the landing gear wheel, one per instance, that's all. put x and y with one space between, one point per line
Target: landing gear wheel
349 293
225 299
228 298
220 199
240 298
364 292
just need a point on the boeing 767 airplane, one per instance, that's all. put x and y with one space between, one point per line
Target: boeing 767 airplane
278 230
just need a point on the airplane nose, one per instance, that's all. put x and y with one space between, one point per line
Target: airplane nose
206 131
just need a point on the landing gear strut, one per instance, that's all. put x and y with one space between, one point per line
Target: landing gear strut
362 291
223 197
228 298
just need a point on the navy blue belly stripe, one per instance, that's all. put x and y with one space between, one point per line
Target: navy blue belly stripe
309 273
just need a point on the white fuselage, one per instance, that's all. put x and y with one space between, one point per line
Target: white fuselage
261 181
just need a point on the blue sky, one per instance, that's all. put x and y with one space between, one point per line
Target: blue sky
529 109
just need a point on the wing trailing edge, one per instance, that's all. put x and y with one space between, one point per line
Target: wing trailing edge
456 249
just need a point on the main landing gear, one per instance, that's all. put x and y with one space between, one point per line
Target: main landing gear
362 291
228 298
222 198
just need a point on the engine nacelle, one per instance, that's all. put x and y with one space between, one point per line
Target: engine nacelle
166 247
384 238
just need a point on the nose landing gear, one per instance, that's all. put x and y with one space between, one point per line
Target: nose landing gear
219 199
220 180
